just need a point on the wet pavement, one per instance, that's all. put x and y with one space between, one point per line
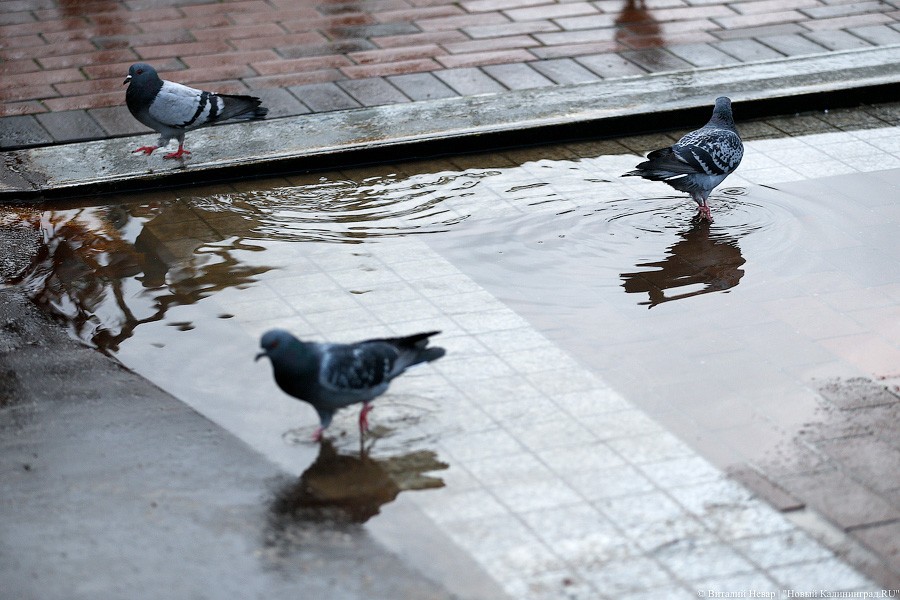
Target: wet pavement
561 445
633 405
63 62
112 488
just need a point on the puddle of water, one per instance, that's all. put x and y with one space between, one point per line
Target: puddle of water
353 487
578 252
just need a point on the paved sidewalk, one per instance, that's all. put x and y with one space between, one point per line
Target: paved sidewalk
62 63
61 71
556 485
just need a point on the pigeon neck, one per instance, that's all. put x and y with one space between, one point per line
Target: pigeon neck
722 117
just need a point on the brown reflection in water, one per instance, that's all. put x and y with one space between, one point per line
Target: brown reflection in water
352 488
696 259
636 27
86 261
98 18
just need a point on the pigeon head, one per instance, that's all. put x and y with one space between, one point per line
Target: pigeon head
722 112
141 74
275 343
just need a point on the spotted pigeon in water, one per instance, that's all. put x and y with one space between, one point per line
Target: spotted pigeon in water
172 109
332 376
700 160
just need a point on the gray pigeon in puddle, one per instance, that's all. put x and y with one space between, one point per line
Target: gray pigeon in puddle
172 109
332 376
700 160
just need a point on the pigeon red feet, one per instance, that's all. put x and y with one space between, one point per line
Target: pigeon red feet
148 150
178 153
705 213
364 418
317 434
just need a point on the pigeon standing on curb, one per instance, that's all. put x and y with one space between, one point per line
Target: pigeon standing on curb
172 109
332 376
700 160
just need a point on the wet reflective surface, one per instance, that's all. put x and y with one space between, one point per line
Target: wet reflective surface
698 263
554 233
352 487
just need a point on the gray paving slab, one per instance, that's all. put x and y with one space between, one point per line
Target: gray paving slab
564 71
702 55
138 495
422 86
117 121
469 81
70 125
656 60
792 44
374 91
610 65
22 130
267 144
747 50
517 76
838 40
281 102
322 97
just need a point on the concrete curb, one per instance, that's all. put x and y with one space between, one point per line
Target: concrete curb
472 123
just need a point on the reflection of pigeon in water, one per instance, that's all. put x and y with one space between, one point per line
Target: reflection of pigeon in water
332 376
698 263
340 487
172 109
700 160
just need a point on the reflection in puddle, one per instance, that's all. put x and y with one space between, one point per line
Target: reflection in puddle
636 26
698 263
350 211
352 487
107 270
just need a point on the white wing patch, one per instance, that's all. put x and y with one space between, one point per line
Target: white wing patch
184 107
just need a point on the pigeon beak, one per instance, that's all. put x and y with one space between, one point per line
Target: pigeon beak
259 356
127 79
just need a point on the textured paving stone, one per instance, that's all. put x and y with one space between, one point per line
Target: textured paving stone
517 76
656 60
747 50
857 393
791 44
280 102
564 71
117 120
469 81
885 539
702 55
22 131
421 86
70 125
610 65
374 91
323 97
837 40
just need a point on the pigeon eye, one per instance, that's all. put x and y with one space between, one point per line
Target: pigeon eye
139 71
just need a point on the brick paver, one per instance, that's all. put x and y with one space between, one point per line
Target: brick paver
57 59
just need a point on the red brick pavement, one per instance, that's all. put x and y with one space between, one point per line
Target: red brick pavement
70 57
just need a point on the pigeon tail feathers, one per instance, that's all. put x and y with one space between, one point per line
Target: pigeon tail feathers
660 165
415 348
241 107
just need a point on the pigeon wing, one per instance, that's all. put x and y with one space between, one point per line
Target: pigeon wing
181 107
708 151
358 367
